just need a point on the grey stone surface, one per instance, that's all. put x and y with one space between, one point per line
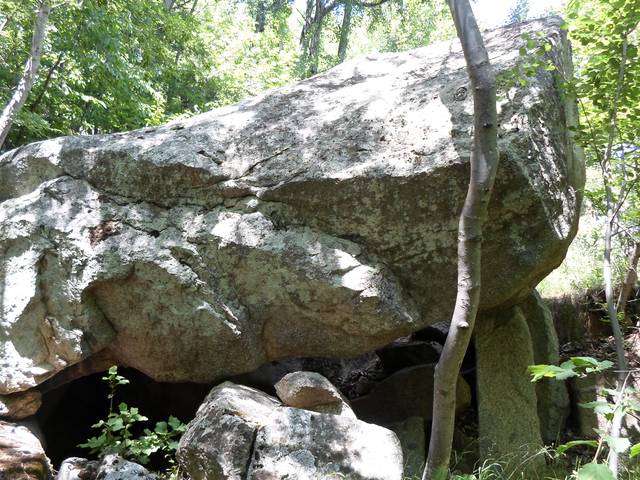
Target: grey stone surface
113 467
240 433
20 405
303 445
508 422
411 434
21 454
406 393
552 395
319 219
218 442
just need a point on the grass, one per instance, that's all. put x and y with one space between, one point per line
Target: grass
539 465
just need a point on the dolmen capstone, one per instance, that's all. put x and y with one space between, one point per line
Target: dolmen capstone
317 219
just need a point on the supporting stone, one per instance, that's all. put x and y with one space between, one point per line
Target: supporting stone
507 407
552 395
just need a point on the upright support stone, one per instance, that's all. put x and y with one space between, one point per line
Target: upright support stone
507 407
553 398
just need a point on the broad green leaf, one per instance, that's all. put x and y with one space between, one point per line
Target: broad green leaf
634 450
595 471
561 449
617 444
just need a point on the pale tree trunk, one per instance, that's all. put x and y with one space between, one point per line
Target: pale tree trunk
20 94
630 279
612 216
345 30
484 162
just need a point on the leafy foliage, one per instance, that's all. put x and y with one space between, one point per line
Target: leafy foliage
116 434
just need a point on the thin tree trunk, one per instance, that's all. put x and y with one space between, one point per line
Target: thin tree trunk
612 214
47 82
345 30
484 161
168 4
4 22
20 94
316 38
630 279
261 16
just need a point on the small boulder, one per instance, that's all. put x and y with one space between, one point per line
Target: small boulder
406 393
20 405
76 468
113 467
21 454
312 391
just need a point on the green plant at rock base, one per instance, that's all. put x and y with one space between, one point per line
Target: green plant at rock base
116 436
623 402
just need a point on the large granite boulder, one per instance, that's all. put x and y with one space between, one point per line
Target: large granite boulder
242 433
319 219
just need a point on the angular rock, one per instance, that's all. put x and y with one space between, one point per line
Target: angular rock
508 422
552 396
20 405
113 467
218 442
303 445
21 454
411 434
406 393
240 433
76 468
312 391
319 219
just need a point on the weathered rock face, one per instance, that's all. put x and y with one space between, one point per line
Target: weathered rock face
21 454
242 433
319 219
20 405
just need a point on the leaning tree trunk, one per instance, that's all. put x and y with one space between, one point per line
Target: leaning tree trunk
484 161
345 30
20 94
315 40
261 16
630 279
612 216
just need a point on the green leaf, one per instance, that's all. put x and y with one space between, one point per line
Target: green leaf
617 444
601 407
634 450
561 449
595 471
541 371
